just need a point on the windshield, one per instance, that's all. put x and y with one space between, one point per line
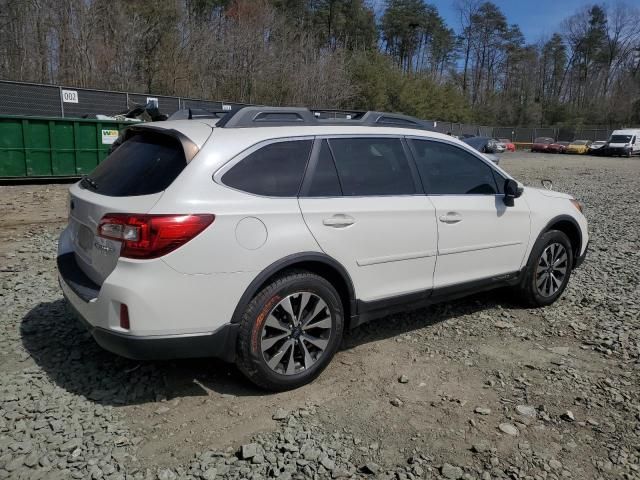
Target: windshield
543 140
620 139
580 142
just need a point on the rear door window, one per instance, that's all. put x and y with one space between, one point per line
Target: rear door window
145 164
275 170
449 170
370 166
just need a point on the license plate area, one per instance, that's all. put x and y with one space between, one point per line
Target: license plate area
85 238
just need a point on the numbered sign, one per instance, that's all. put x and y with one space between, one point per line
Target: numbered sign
70 96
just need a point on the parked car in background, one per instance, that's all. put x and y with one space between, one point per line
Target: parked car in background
623 142
486 145
263 236
579 146
509 146
558 147
596 147
500 147
541 144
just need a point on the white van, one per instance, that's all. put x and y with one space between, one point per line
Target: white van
624 142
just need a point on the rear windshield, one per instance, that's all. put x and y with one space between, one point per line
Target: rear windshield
144 164
620 139
543 140
580 142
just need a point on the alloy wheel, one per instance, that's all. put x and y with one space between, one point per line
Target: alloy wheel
296 333
552 269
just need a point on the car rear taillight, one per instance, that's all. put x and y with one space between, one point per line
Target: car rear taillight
151 236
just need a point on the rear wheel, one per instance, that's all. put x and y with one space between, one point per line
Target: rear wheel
548 270
290 331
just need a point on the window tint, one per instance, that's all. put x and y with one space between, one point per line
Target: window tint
144 164
325 181
447 169
275 170
372 166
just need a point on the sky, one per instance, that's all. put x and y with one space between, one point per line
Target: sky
536 18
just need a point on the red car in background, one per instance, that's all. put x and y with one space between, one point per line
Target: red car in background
509 146
558 147
541 144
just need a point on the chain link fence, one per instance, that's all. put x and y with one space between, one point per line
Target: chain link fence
32 99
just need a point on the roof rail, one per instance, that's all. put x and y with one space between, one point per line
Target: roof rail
336 114
253 116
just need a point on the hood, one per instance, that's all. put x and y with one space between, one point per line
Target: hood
548 193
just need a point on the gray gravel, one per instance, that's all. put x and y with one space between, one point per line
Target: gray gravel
578 416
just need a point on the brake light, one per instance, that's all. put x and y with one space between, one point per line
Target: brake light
151 236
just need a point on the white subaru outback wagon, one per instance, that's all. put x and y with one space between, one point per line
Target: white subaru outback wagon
261 236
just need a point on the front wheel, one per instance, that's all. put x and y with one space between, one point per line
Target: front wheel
548 269
290 331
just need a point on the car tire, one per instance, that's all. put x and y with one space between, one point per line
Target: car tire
551 254
273 349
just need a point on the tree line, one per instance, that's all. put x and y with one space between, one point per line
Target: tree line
394 55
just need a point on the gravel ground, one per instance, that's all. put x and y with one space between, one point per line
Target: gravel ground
474 389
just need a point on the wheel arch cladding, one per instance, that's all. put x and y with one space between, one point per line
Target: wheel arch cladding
314 262
570 228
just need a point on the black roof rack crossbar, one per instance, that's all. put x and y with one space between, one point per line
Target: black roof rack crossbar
195 113
253 116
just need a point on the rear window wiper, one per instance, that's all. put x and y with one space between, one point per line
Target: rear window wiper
87 181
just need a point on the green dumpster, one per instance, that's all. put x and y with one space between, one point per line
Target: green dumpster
51 147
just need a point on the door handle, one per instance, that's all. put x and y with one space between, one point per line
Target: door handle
339 220
450 217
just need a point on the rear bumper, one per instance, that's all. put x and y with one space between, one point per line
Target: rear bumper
94 308
219 344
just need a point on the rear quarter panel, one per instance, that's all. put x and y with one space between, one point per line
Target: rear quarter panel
275 225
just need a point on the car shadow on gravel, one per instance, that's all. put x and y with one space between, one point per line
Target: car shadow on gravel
63 348
66 351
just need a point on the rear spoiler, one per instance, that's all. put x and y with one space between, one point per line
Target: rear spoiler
189 147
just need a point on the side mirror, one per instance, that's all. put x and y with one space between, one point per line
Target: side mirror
511 191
